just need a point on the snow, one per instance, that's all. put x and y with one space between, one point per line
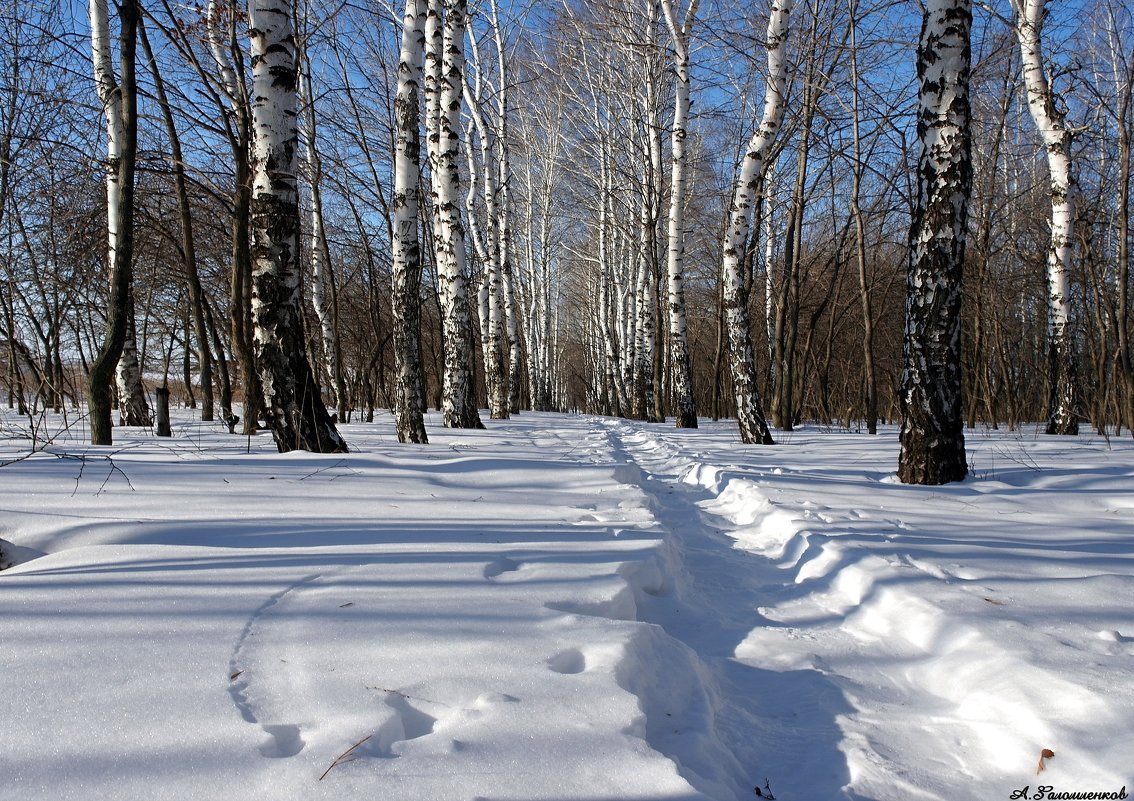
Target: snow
562 607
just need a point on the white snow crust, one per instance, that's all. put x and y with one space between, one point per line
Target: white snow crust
562 608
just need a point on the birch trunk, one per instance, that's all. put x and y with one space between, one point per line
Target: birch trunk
406 208
119 102
686 410
750 186
133 408
656 254
292 400
504 210
445 55
644 407
488 248
932 435
324 298
1062 416
225 53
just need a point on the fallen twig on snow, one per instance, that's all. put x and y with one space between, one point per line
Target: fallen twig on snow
341 758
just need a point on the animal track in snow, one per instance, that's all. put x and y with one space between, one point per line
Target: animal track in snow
284 740
570 661
500 566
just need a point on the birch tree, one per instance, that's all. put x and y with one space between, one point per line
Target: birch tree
1056 136
541 122
679 31
229 74
932 435
1120 54
860 230
444 85
409 378
749 186
504 228
490 247
293 403
324 293
118 95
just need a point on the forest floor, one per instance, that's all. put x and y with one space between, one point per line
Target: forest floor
562 608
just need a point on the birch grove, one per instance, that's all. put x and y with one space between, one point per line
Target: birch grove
664 211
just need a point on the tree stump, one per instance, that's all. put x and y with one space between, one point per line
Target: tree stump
163 428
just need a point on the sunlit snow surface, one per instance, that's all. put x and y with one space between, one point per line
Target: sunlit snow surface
562 608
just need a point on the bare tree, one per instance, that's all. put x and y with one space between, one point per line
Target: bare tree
748 188
406 244
444 86
119 98
932 435
293 403
324 290
1056 136
679 32
188 242
860 231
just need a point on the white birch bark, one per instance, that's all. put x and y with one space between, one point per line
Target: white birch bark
220 56
132 405
406 209
119 102
749 185
234 89
487 243
1056 138
323 290
644 316
133 408
504 209
658 257
292 401
445 57
679 337
932 435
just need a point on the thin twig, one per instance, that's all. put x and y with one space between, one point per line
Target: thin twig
342 757
322 470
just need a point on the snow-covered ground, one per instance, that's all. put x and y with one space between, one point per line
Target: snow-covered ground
563 607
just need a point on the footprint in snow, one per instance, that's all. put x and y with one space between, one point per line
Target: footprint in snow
284 739
500 566
568 662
